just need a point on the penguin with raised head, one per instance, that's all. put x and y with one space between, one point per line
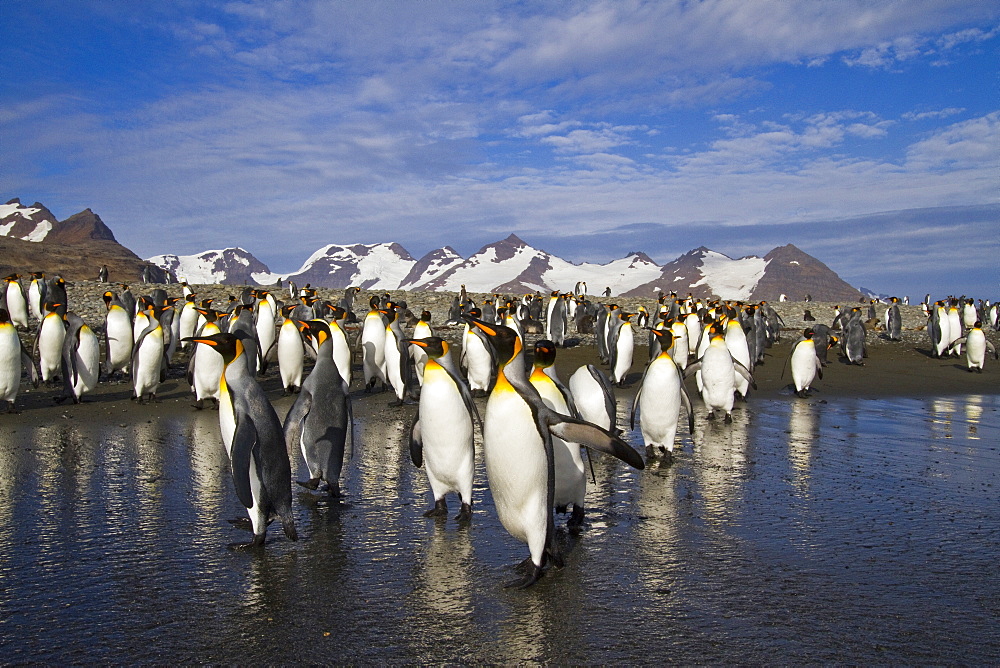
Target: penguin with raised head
49 340
621 347
718 369
206 364
14 361
17 301
265 325
188 320
252 434
594 396
853 342
81 359
373 346
570 474
241 323
320 422
805 362
149 364
422 330
517 444
36 294
441 439
555 318
291 351
976 345
117 336
397 359
659 399
477 358
893 321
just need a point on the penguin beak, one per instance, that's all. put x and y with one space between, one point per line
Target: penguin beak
416 342
208 342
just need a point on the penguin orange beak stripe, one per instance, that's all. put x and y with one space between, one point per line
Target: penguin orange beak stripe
489 330
209 342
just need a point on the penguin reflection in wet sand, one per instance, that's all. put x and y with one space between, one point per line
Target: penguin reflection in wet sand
320 421
441 439
254 440
517 445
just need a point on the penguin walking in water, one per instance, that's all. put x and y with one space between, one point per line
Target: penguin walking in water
659 400
805 362
49 341
117 336
976 345
17 301
252 434
594 396
291 351
206 364
718 370
570 474
149 367
320 422
517 445
621 347
441 439
14 361
81 359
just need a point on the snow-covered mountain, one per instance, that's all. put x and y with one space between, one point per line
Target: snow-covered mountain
511 266
28 223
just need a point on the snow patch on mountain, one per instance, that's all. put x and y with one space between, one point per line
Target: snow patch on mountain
729 278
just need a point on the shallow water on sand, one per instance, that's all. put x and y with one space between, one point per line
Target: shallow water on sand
853 531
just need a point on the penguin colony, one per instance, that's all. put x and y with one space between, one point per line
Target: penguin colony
536 430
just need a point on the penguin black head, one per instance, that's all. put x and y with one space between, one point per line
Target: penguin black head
808 334
504 340
665 336
4 317
317 330
226 344
434 346
211 315
545 353
425 315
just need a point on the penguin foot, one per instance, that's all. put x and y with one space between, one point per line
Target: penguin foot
575 523
562 509
255 544
312 483
440 509
465 514
64 397
242 523
711 416
729 418
198 405
531 578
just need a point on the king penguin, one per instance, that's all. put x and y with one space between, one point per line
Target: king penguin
17 301
49 340
320 422
291 351
373 346
441 439
660 397
517 445
976 345
806 364
149 359
718 374
117 336
81 359
14 360
621 347
255 442
206 364
594 396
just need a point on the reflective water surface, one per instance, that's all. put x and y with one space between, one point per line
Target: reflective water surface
853 531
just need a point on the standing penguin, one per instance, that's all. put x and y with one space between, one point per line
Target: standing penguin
206 364
718 374
422 330
517 444
14 360
188 320
570 475
477 358
81 359
441 438
320 421
341 349
373 346
806 364
853 343
659 399
594 397
976 345
255 442
397 360
117 336
148 360
36 294
894 323
291 351
621 347
102 275
49 340
265 325
17 301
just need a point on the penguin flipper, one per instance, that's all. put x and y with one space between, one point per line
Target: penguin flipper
463 389
28 365
609 394
245 443
686 400
743 371
635 403
693 368
819 369
416 444
590 435
292 428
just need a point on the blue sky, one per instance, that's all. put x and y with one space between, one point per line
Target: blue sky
866 133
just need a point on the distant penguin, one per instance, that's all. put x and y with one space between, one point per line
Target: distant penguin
659 399
718 375
81 359
255 442
555 319
241 323
954 326
939 329
969 314
422 330
594 397
206 364
49 340
373 346
853 342
805 363
396 357
736 341
621 349
14 361
518 450
976 345
894 323
808 316
320 422
148 361
441 439
341 348
102 275
570 474
17 301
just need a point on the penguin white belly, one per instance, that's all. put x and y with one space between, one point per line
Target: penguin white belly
146 374
373 349
188 321
718 379
975 348
50 344
954 325
625 347
571 481
208 367
119 333
588 395
446 430
35 300
290 355
394 365
803 365
88 362
693 326
17 307
227 417
341 353
10 362
679 351
257 515
660 403
479 363
517 468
